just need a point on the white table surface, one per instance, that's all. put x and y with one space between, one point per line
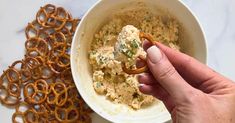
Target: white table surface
216 16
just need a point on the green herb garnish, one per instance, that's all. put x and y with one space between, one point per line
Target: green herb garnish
134 44
122 46
98 84
129 53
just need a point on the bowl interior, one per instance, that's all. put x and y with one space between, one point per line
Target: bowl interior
192 43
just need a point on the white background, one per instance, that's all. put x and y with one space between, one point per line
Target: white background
216 16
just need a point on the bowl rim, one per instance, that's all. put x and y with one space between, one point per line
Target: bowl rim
73 53
201 29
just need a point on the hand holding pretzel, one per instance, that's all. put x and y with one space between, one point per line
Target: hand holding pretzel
149 38
191 91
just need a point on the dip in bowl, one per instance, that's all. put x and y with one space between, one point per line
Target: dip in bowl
191 41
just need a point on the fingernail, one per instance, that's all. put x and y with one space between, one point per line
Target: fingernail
141 85
154 54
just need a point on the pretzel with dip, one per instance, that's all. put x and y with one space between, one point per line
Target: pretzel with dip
128 49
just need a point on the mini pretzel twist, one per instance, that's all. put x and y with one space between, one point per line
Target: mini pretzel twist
68 113
35 67
15 115
29 113
36 93
53 65
142 36
31 116
31 63
37 45
23 70
67 77
59 92
10 83
56 17
9 98
31 31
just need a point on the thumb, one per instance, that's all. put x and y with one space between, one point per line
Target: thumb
167 76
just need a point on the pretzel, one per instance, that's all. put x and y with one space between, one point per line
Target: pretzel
53 65
36 93
15 115
31 63
67 77
68 113
34 66
13 75
65 30
49 8
58 49
41 111
64 61
62 14
24 71
85 118
14 82
147 36
10 82
59 92
31 116
8 98
31 31
14 89
58 62
43 34
30 113
59 37
36 46
46 72
52 18
142 36
43 15
44 75
71 25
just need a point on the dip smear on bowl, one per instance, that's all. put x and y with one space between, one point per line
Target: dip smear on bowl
118 41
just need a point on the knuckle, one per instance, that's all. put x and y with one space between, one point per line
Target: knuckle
187 60
167 72
193 97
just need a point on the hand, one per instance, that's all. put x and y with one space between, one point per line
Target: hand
192 92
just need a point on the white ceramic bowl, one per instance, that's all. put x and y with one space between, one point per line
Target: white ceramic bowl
193 43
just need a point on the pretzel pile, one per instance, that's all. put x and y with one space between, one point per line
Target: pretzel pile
42 83
144 68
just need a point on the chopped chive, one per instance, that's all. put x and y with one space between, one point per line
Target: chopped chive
134 44
129 53
98 84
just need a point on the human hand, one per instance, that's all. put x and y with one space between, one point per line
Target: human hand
192 92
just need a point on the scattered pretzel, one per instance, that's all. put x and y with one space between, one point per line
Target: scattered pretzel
44 75
68 113
144 68
59 94
36 93
10 82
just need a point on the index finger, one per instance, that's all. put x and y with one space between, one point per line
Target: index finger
189 68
